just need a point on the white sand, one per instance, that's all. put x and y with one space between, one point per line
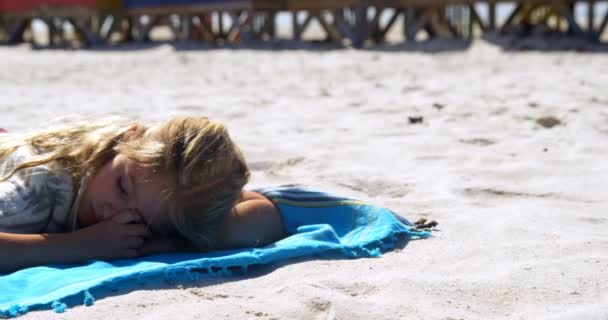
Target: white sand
523 209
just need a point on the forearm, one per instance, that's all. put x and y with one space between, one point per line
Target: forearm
26 250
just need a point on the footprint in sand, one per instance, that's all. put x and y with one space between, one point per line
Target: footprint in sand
482 142
294 161
411 88
489 192
261 165
354 289
258 314
601 130
356 104
190 108
599 100
374 188
324 92
322 308
275 165
497 193
237 115
430 158
308 130
594 220
499 111
207 295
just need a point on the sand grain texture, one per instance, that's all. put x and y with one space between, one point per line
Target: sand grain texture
522 202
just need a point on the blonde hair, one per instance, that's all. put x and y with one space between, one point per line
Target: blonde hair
208 169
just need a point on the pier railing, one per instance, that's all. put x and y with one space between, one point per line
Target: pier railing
357 23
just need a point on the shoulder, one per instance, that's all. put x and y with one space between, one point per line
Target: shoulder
254 221
37 177
34 199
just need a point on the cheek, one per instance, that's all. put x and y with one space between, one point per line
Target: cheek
98 187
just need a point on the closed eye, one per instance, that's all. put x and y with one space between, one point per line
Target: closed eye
121 187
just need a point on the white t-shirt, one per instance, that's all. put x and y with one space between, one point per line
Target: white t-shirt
33 200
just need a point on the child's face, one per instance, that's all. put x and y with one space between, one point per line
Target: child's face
122 185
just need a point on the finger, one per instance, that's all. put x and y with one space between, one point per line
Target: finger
132 242
127 217
139 230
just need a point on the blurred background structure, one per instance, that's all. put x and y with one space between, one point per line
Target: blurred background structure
356 23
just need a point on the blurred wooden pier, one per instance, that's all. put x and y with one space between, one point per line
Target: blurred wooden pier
356 23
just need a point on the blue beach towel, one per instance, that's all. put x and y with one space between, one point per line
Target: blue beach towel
318 224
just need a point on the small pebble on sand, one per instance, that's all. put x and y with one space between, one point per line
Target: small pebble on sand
438 106
415 119
548 122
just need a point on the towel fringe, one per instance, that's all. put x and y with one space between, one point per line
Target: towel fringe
210 271
89 300
170 276
13 311
373 252
58 306
192 275
140 280
226 272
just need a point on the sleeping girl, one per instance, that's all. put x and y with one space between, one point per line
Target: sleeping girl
114 188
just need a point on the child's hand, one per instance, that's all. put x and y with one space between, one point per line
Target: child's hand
118 237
